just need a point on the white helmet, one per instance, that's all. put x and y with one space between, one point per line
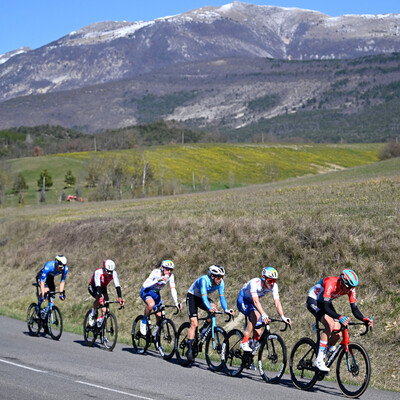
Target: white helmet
216 270
167 264
61 261
269 272
109 265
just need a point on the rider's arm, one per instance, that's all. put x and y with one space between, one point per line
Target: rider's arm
356 312
174 293
328 310
97 281
204 293
221 291
257 303
116 284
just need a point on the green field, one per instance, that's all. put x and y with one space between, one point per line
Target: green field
186 168
306 227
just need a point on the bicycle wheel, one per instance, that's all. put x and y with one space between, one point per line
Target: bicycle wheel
55 323
89 332
213 349
140 342
272 358
232 354
110 331
33 320
301 363
353 370
165 339
182 344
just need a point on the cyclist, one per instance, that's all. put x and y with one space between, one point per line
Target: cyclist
150 292
197 297
319 303
98 289
249 304
45 277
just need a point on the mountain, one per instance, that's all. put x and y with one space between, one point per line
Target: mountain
219 67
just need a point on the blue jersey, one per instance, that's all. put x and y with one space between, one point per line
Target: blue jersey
202 286
49 270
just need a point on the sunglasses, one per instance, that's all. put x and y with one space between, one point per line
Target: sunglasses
270 280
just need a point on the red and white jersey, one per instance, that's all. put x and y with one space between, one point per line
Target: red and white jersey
253 288
100 278
331 288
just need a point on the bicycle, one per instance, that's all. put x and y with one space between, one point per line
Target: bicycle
210 334
163 335
271 349
48 318
107 331
353 368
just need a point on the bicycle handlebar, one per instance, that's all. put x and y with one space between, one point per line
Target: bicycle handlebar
283 322
113 302
343 327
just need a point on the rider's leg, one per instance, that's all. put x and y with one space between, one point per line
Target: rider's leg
329 325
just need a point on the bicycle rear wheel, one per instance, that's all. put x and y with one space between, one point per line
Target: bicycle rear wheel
55 323
33 320
353 371
110 331
232 354
140 342
89 332
301 363
165 340
272 358
182 344
213 349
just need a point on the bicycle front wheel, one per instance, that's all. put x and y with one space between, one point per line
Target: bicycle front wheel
182 344
272 358
232 355
33 320
166 337
140 342
213 349
353 371
55 323
110 331
301 363
89 332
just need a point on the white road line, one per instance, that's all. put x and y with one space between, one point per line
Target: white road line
116 391
23 366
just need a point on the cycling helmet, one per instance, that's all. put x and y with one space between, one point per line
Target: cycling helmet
167 264
349 278
270 273
216 270
61 261
109 265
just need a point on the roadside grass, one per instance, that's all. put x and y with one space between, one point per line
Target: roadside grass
193 168
307 227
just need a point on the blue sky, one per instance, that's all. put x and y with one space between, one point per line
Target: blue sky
34 23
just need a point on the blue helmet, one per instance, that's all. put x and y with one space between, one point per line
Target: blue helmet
349 278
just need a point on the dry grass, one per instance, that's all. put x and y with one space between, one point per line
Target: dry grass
307 228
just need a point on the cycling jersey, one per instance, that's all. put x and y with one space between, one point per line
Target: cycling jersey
331 288
202 286
49 271
253 288
320 298
155 282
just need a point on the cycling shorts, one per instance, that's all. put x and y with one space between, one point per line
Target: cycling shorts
93 292
146 293
316 308
246 307
193 303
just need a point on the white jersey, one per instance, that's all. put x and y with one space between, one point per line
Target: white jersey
253 288
156 282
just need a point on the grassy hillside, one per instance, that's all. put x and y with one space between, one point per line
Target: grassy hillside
307 227
186 168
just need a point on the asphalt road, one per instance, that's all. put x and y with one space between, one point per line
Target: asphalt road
38 368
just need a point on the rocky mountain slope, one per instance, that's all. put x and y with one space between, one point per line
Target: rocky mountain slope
208 67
